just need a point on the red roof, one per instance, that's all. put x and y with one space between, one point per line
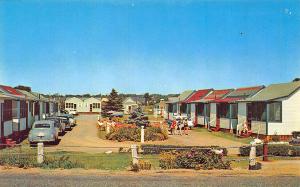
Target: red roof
11 91
217 94
197 95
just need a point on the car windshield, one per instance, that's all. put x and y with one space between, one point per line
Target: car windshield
42 125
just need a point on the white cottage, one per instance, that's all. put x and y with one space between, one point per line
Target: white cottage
275 110
129 105
83 105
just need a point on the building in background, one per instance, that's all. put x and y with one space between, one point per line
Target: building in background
83 105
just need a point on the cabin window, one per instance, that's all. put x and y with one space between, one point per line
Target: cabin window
7 110
200 109
183 108
23 109
275 112
188 108
15 109
223 110
96 105
234 111
69 105
258 111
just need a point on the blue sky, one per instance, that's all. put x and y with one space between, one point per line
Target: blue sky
147 46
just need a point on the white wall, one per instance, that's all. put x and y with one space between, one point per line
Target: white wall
84 105
213 114
7 128
22 124
258 127
224 123
193 110
290 117
242 112
200 120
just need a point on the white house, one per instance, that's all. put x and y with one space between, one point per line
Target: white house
275 110
83 105
129 105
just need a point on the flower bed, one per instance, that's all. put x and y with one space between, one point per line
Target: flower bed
193 159
133 133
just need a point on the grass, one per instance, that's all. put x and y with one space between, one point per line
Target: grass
224 135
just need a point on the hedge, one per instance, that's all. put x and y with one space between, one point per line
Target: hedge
157 149
275 150
192 159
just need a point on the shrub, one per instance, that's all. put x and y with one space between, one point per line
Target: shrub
157 149
194 159
145 165
275 150
133 133
60 162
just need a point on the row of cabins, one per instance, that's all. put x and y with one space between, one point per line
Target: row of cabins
268 111
19 109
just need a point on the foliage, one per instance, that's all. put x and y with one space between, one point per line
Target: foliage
157 149
114 103
133 133
275 150
145 165
193 159
60 162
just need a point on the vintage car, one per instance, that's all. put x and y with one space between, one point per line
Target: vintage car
70 117
43 131
59 123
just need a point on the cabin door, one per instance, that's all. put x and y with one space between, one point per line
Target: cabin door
249 115
218 116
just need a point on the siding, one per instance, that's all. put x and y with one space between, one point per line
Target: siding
242 112
224 123
213 114
290 117
23 124
7 128
258 127
193 108
200 120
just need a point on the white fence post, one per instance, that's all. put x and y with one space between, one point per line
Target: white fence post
252 157
40 156
142 134
134 154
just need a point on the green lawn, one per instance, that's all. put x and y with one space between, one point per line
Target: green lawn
225 135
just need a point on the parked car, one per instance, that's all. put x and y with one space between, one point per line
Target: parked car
71 119
43 131
59 123
66 121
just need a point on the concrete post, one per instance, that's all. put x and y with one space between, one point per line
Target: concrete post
40 156
252 156
134 154
142 134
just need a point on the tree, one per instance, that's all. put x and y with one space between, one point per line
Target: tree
114 103
21 87
296 79
147 98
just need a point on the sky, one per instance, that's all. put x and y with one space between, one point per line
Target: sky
77 47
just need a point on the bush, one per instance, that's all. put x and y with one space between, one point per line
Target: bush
29 161
275 150
132 133
194 159
157 149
